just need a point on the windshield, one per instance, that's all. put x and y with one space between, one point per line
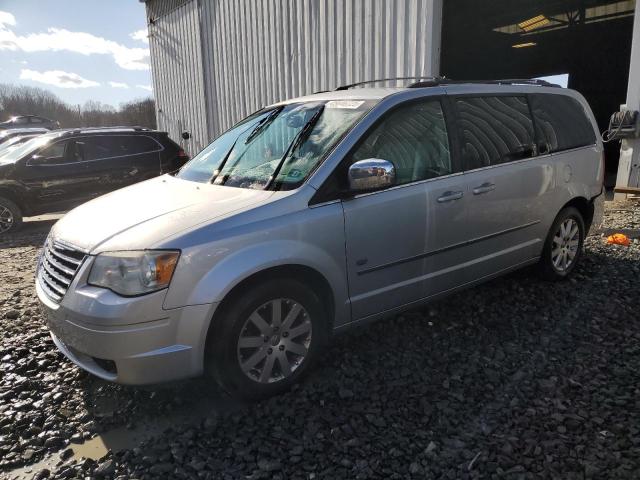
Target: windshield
276 147
30 146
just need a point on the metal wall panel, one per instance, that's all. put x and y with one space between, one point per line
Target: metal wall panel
256 52
159 8
176 63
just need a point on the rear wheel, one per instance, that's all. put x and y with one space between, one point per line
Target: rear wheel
10 216
266 338
563 247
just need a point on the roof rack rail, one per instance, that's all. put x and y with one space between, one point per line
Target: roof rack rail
109 128
378 80
507 81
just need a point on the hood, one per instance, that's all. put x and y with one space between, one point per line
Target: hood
139 216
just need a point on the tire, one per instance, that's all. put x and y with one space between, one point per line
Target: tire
238 339
10 216
556 265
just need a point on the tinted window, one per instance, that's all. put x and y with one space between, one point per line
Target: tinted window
95 148
139 144
107 146
36 120
21 120
495 130
57 153
561 123
414 138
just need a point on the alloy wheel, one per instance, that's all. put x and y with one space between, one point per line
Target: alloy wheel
566 242
6 219
274 340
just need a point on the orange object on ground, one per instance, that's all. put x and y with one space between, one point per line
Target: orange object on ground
619 239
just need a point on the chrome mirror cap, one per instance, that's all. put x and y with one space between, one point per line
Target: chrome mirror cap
371 174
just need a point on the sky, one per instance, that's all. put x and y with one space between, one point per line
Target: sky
78 49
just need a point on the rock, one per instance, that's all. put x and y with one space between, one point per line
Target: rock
431 447
65 454
161 468
269 465
12 314
105 468
345 393
44 473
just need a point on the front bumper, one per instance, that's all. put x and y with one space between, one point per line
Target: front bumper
127 340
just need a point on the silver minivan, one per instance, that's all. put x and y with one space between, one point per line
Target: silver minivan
317 214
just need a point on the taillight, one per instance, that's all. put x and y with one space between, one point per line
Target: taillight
182 155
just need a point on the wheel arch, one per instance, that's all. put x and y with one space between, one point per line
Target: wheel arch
585 207
11 193
303 273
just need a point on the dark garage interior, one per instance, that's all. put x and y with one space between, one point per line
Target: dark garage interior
590 40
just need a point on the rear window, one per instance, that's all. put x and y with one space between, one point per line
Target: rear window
561 123
495 130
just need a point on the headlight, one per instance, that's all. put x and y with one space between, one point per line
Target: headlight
134 272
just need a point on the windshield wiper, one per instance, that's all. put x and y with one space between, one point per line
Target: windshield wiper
302 136
224 160
263 124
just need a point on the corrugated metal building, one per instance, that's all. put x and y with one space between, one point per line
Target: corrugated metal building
215 61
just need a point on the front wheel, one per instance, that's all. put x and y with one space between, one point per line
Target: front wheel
266 338
10 216
563 247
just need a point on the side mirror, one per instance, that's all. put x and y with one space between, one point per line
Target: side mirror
371 174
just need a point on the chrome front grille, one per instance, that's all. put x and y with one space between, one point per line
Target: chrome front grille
59 264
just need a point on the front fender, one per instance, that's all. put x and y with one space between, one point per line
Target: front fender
231 270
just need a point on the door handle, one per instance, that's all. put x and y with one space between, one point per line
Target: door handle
484 188
450 196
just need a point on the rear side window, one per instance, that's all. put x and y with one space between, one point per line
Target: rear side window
495 130
36 120
108 146
139 144
561 123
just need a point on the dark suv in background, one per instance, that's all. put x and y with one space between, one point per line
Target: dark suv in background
30 121
57 171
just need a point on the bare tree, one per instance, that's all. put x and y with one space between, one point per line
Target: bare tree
21 100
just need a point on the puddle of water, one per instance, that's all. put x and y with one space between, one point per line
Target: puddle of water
115 440
26 473
123 438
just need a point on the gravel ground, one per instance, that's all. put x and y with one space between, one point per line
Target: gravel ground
517 378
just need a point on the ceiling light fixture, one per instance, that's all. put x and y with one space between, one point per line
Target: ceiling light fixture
524 45
533 23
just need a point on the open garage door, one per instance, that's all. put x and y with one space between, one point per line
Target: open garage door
586 43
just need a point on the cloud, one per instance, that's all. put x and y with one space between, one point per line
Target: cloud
6 19
146 87
118 85
58 78
140 35
59 39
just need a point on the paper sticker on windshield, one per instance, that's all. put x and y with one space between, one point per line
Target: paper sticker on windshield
351 104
